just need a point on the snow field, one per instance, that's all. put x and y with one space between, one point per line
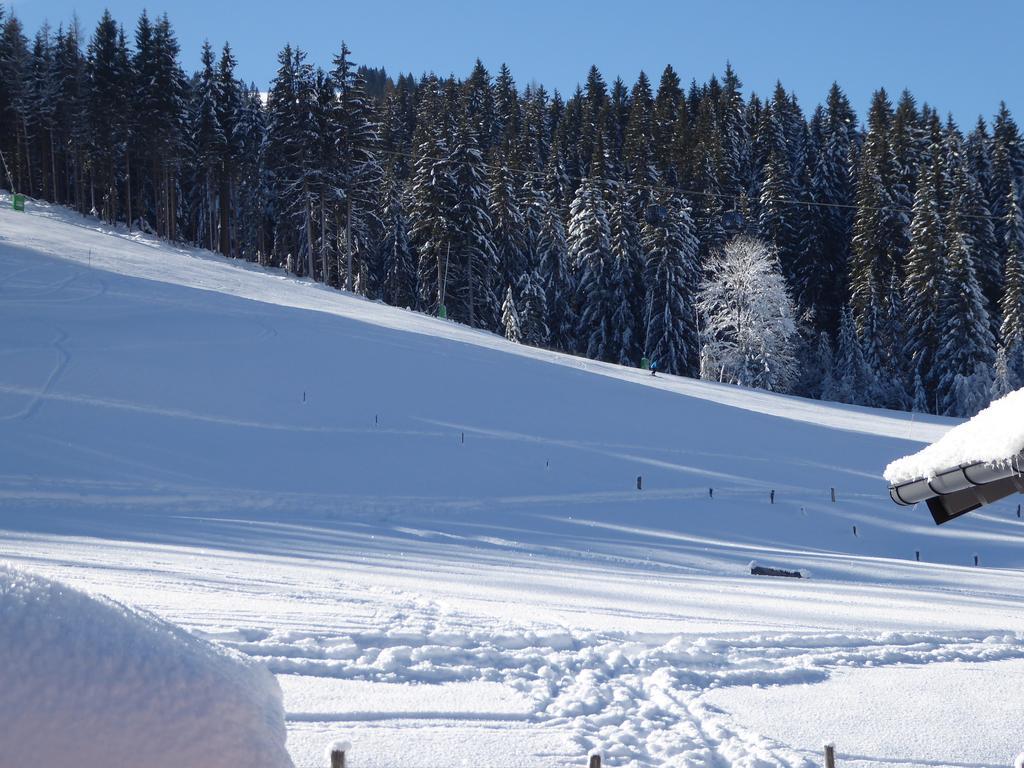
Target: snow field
440 549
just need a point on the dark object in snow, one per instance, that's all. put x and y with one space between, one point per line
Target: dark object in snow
962 489
760 570
639 482
654 367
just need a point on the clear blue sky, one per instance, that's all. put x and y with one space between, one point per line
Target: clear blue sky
959 56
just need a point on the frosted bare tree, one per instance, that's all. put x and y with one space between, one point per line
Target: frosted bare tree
748 334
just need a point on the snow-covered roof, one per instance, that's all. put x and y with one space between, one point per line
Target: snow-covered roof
92 683
994 436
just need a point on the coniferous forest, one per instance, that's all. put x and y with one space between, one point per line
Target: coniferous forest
875 259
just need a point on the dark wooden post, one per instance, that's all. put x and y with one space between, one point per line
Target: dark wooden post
830 756
833 495
917 555
595 760
639 482
337 752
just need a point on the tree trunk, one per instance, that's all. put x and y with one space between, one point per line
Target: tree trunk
309 228
128 186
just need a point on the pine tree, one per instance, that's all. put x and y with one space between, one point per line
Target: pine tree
1003 379
854 379
209 145
626 282
824 369
965 354
508 226
878 228
557 282
510 317
108 78
357 179
1011 305
432 196
233 152
777 222
589 241
399 284
293 161
671 279
924 282
823 274
533 311
1007 165
640 165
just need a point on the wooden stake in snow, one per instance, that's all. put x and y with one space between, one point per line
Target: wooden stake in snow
639 482
336 752
830 756
833 495
594 759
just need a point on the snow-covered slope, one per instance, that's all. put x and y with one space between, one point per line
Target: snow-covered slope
91 683
353 492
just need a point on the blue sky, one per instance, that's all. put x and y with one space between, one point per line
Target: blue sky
959 56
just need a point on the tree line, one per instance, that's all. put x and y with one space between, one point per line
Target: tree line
732 237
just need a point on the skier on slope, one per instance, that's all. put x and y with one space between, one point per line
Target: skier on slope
654 367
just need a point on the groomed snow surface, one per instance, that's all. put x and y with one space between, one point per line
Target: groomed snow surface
92 683
434 539
994 435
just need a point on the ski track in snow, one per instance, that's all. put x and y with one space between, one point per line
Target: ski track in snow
610 613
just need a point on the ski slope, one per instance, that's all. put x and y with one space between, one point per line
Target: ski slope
434 537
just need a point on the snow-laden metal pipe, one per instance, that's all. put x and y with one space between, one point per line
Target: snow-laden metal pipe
956 479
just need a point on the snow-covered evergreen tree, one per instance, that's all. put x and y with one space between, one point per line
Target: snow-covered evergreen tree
1011 305
855 381
474 281
508 226
399 283
510 317
671 278
589 241
924 283
965 354
558 282
533 310
626 283
1003 379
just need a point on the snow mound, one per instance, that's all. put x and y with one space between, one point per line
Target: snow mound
994 435
92 683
